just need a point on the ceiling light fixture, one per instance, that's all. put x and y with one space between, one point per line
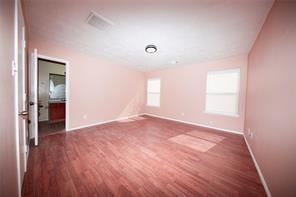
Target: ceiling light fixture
151 48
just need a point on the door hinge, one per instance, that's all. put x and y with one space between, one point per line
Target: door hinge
13 68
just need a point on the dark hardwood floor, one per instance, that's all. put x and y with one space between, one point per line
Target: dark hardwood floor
143 156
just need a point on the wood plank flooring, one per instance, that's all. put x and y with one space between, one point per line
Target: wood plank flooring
136 158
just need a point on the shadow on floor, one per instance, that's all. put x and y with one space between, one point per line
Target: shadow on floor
46 128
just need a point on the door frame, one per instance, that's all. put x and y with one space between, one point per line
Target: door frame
67 63
14 73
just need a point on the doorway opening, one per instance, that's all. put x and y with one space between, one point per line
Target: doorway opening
51 97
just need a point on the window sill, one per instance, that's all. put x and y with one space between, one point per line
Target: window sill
222 114
153 106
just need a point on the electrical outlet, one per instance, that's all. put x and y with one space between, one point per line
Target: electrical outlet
249 133
84 116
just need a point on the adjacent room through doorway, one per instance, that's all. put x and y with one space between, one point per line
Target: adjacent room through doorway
51 97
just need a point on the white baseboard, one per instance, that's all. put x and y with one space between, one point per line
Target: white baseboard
195 124
103 122
258 169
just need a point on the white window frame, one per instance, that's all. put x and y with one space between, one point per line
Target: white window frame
147 91
237 94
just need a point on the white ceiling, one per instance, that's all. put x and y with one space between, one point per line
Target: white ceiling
187 31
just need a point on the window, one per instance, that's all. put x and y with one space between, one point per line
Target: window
223 92
153 92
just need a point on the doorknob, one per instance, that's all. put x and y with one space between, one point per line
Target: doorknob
24 114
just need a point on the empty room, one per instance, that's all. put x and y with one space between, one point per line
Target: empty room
147 98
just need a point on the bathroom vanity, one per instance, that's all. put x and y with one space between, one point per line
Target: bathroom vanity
56 110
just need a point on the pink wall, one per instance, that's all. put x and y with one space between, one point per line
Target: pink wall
8 170
183 91
271 96
98 89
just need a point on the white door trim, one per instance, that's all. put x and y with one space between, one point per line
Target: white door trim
67 63
34 96
16 108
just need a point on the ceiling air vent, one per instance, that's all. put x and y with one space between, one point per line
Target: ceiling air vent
98 21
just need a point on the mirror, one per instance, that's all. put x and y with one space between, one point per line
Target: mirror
57 86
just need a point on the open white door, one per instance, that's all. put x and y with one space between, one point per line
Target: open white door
22 102
19 73
34 96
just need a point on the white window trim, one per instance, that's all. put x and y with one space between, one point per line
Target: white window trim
221 113
237 114
153 79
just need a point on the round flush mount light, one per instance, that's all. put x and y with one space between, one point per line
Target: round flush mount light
151 48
